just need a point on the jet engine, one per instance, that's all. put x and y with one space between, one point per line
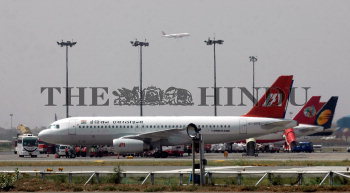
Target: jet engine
251 147
122 145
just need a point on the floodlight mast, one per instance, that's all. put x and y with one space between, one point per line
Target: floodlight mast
194 133
67 44
137 43
11 117
253 59
213 42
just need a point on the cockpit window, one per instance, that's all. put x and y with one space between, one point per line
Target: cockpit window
54 126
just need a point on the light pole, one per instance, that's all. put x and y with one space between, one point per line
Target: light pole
253 59
137 43
210 42
67 44
197 138
11 115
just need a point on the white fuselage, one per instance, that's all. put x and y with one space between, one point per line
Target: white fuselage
300 130
102 130
179 35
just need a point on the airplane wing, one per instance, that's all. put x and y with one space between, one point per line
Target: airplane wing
157 135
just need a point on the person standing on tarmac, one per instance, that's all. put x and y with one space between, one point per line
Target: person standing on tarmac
66 151
77 151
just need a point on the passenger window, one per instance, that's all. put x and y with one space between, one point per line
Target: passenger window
57 126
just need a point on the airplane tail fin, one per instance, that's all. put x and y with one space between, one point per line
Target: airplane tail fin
325 116
274 102
307 114
163 33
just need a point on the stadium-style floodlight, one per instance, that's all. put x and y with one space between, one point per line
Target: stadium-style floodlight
137 43
193 131
210 42
67 44
253 59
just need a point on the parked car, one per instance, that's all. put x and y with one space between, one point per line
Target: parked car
61 151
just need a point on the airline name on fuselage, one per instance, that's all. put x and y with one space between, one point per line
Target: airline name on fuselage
96 122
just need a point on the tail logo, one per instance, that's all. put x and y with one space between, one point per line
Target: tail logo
324 117
310 111
273 99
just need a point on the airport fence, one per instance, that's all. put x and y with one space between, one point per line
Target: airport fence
248 178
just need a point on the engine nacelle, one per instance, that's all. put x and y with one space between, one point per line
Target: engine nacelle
122 145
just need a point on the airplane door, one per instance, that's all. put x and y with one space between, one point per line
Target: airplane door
242 127
72 127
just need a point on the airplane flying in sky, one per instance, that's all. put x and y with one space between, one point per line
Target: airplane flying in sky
177 35
138 134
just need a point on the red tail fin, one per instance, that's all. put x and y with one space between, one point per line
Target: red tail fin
273 103
307 114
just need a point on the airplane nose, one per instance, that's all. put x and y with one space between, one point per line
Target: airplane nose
45 135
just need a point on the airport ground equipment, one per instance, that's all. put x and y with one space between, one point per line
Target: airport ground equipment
27 145
303 147
290 139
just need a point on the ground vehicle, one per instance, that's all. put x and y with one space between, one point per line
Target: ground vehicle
269 148
46 148
177 151
61 151
27 145
303 147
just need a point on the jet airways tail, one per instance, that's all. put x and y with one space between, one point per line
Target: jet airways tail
325 116
307 115
163 33
274 102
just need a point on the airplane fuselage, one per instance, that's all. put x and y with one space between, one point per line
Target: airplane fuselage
102 130
300 130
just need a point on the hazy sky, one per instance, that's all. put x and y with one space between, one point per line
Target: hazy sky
307 39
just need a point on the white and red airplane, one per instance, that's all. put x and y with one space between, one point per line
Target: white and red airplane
177 35
314 117
138 134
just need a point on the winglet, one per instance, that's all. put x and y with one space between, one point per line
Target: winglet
274 102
